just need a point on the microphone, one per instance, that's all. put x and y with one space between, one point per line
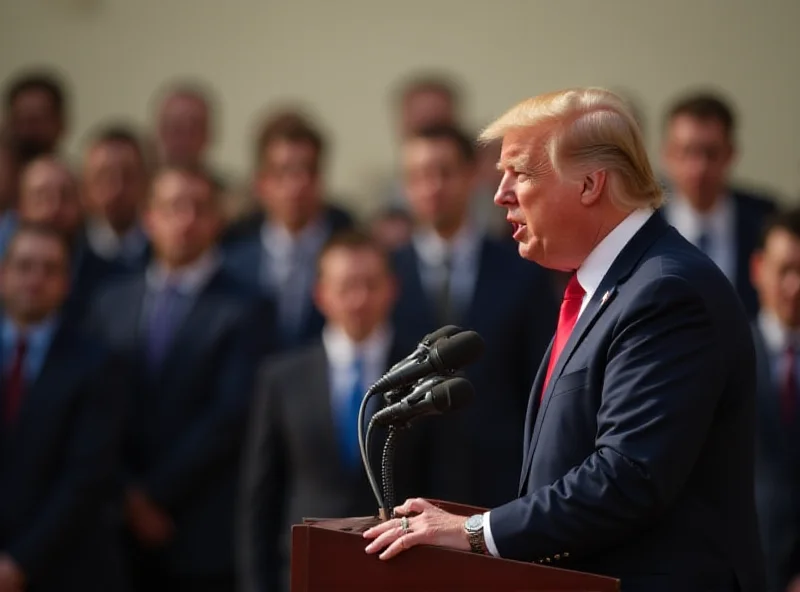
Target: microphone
434 396
426 343
445 356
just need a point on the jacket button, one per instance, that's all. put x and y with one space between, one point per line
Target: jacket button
547 560
566 555
556 556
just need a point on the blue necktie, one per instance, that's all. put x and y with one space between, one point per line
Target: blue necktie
161 325
348 425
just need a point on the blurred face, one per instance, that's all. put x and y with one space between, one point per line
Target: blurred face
35 124
183 130
182 218
115 183
48 195
775 273
548 218
425 108
438 182
697 157
290 183
355 291
34 277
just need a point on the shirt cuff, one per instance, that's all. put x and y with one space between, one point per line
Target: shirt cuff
487 535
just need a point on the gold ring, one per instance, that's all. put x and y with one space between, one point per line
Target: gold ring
404 524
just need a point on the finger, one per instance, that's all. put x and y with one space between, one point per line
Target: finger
384 540
414 505
379 529
403 543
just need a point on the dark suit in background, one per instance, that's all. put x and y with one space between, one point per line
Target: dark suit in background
639 459
187 419
477 452
749 214
245 259
777 471
59 505
293 469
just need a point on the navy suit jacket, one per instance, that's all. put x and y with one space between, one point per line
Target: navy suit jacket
639 460
777 477
185 429
478 450
59 510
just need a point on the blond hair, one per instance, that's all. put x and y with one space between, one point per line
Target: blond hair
587 129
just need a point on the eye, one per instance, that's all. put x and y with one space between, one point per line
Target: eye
522 177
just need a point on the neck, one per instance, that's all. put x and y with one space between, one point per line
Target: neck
23 324
176 266
447 232
122 227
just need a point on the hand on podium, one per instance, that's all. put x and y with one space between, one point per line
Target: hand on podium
419 522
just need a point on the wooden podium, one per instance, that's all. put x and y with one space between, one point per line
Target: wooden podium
329 555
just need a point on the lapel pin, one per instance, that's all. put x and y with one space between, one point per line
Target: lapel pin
605 297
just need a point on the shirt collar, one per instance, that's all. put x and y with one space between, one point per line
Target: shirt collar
596 265
108 244
691 223
432 248
37 335
342 351
188 280
776 336
278 240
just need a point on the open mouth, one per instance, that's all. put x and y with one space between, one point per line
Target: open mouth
517 228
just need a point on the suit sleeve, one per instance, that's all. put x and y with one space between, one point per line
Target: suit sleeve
216 436
261 502
661 388
85 486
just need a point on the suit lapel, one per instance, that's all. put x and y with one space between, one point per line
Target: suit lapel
55 376
484 291
317 383
620 270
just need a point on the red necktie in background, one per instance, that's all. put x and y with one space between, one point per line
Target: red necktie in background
567 317
788 391
15 383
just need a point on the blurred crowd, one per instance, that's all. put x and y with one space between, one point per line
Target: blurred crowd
183 354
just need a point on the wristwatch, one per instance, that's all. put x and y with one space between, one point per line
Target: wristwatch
474 529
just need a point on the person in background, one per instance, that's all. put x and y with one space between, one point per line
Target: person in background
61 416
699 149
453 273
35 113
421 101
184 129
302 457
9 188
276 251
189 333
775 268
114 184
49 195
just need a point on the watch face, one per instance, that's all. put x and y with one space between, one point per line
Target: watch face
474 522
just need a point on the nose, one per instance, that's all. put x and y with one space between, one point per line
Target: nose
505 195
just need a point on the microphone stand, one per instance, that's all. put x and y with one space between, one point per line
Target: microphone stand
373 483
387 470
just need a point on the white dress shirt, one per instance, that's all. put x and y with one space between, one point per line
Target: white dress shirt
718 224
342 352
109 245
464 251
590 274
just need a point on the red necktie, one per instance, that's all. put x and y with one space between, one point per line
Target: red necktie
570 309
15 383
789 385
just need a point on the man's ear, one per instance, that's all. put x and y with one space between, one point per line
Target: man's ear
592 186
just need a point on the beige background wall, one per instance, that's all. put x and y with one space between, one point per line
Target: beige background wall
341 57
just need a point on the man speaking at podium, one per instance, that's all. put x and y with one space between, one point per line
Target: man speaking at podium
638 458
